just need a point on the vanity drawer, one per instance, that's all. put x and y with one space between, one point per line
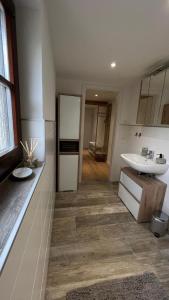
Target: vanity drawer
131 186
129 201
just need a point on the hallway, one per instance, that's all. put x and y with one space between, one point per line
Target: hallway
93 170
95 239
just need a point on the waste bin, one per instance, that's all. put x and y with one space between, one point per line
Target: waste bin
159 224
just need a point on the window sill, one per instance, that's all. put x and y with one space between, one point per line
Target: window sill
14 201
4 152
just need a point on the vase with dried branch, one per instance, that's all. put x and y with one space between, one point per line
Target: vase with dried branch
29 148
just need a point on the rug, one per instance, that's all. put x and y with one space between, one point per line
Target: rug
141 287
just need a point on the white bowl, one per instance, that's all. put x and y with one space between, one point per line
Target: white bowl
22 172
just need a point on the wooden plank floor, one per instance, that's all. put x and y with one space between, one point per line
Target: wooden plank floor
93 170
95 239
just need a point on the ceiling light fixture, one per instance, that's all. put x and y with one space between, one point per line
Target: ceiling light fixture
96 95
113 64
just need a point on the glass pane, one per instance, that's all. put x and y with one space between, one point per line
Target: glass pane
4 65
164 108
2 69
101 125
156 92
145 87
6 121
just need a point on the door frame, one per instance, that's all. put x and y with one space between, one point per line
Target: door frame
102 87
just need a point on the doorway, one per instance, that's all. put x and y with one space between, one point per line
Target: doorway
98 132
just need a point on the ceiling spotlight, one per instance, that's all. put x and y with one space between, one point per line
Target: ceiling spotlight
113 64
96 95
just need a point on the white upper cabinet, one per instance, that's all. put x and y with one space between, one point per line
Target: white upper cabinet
69 115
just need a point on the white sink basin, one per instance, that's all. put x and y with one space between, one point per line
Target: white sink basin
144 165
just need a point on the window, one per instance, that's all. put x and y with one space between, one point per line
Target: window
6 119
10 152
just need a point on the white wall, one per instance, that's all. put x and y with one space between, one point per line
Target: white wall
29 44
30 62
88 126
36 74
94 130
25 271
112 131
35 129
156 139
69 86
48 69
127 104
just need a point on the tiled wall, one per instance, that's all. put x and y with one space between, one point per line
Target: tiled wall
35 129
156 139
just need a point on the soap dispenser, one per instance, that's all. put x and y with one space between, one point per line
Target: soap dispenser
160 160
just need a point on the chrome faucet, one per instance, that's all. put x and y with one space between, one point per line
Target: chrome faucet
144 151
150 154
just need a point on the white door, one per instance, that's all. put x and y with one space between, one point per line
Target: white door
69 117
68 172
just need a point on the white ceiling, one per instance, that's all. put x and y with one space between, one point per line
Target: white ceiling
102 95
89 34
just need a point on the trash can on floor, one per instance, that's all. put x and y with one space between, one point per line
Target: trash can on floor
159 224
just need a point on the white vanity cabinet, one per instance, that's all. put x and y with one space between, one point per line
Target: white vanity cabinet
130 202
142 195
131 186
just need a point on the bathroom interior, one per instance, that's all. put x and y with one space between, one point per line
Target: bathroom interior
84 159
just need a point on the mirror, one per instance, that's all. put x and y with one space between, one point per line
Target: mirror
144 94
164 108
153 109
155 94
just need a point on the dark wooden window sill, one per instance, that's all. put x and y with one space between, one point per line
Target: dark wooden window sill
14 201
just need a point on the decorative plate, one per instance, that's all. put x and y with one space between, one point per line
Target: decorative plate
22 173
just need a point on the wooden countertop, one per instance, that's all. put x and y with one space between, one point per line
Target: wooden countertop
142 180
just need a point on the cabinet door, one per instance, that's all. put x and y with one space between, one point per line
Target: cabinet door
68 172
129 201
69 115
131 186
165 114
